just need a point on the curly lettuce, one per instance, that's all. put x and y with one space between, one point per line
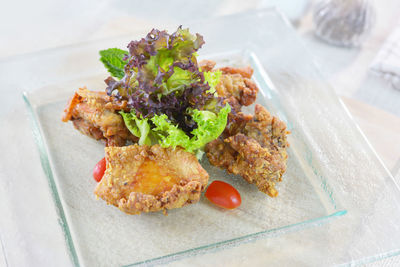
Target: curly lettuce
171 101
212 78
139 127
161 76
162 131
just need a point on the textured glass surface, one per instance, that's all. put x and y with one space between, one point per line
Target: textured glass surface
331 167
102 235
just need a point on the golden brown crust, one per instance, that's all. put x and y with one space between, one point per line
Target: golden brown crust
245 72
95 114
253 147
249 93
238 86
122 186
206 65
75 100
236 123
234 82
177 197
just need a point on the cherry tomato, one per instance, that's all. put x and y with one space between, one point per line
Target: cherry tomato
223 195
99 170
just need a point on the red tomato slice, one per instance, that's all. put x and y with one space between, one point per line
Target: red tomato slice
99 170
223 195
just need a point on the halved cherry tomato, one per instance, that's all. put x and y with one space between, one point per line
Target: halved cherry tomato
99 170
223 195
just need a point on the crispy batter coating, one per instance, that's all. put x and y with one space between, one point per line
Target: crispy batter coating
234 82
236 122
245 72
94 114
206 65
253 147
146 179
238 86
237 82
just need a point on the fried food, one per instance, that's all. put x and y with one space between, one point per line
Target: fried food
146 179
253 147
234 82
243 89
245 72
207 65
95 114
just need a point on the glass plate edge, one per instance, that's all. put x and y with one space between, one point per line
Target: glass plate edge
214 247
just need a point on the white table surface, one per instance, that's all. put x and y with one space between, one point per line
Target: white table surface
29 232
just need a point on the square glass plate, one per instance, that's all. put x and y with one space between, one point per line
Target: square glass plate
329 168
103 235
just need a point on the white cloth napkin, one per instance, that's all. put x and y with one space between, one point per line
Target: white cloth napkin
387 63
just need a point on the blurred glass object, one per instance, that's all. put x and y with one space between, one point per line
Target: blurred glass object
343 22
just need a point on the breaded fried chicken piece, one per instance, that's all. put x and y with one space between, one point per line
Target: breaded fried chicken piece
95 114
234 82
145 179
245 72
253 147
243 89
206 65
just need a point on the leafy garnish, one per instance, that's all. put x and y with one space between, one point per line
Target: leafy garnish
212 78
171 101
169 135
165 133
209 126
138 127
113 60
162 77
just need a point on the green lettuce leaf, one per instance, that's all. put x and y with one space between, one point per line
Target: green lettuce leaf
113 60
162 59
212 78
169 135
139 127
209 127
179 80
165 133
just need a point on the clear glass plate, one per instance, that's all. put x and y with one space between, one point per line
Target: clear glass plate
331 167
